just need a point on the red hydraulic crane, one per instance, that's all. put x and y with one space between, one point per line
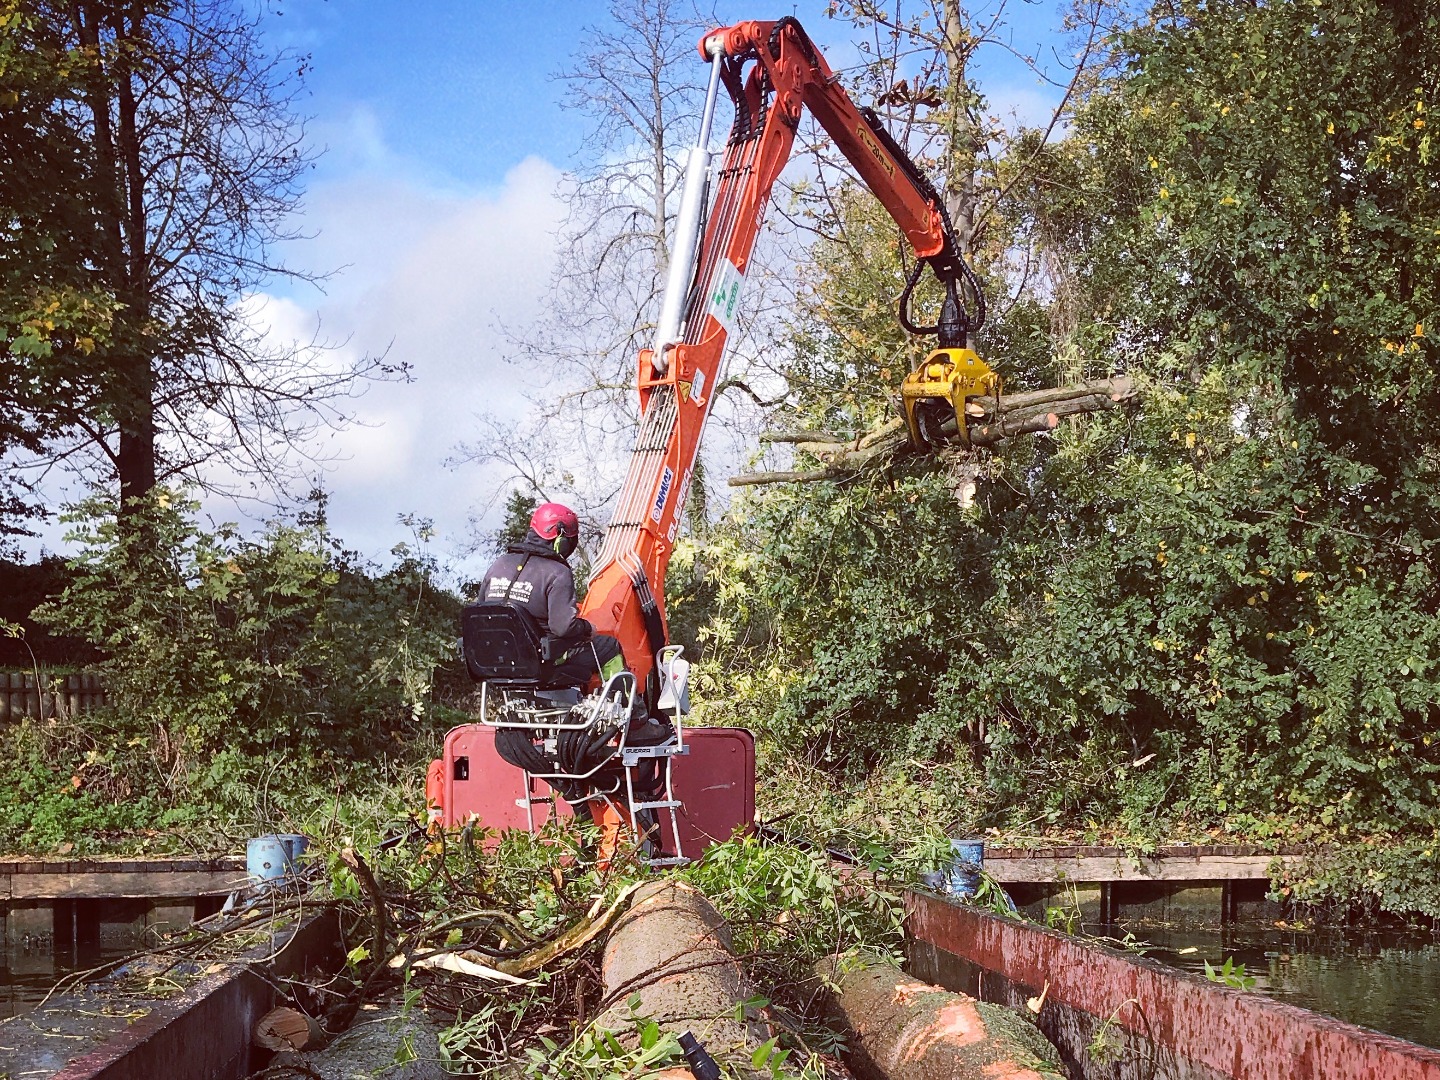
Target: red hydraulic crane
771 71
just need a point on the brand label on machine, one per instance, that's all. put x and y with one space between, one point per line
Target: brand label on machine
725 296
679 507
661 494
872 144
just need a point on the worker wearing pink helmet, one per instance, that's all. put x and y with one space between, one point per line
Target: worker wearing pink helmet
535 575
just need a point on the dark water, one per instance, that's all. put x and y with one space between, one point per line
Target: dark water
1385 980
28 973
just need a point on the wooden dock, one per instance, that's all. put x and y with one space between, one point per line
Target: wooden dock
1097 865
50 879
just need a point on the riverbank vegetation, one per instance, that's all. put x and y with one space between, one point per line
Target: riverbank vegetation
250 680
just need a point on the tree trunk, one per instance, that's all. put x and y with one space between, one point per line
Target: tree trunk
992 421
904 1029
135 460
671 951
111 101
288 1029
962 144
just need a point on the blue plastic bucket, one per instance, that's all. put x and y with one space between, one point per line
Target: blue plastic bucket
272 857
962 877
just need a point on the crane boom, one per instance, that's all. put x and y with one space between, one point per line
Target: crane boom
771 71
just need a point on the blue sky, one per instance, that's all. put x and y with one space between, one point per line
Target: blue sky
444 139
466 87
460 88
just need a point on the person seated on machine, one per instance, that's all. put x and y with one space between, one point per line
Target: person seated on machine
535 575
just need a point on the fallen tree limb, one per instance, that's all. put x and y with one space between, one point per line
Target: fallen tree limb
466 963
904 1029
991 421
511 969
380 925
284 1028
342 1014
801 436
803 477
670 955
595 923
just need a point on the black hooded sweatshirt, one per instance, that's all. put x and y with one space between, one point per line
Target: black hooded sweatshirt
533 575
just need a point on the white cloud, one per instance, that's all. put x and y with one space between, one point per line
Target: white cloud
426 271
377 451
429 272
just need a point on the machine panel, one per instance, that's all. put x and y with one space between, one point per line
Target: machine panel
715 782
476 780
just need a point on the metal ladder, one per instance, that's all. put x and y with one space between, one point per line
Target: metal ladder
666 753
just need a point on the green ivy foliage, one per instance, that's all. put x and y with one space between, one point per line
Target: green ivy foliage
1367 879
1267 261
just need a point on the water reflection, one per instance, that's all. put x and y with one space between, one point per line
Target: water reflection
32 966
1386 980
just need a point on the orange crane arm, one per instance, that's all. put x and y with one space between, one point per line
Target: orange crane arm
771 71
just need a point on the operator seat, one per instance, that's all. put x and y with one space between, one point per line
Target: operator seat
505 651
503 647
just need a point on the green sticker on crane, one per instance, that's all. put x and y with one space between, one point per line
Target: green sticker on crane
725 296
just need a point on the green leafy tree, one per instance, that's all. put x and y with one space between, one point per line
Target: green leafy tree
155 164
1246 590
55 309
1222 607
518 508
234 664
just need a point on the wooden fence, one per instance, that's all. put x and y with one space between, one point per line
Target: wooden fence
23 694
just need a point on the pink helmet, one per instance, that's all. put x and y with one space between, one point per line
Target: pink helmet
552 520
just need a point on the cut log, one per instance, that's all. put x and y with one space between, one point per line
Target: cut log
288 1029
904 1029
670 954
991 421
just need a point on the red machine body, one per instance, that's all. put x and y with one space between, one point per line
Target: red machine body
715 782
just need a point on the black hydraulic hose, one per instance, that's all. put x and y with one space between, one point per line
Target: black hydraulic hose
972 325
581 750
595 753
949 266
789 22
566 755
576 751
910 282
516 747
744 125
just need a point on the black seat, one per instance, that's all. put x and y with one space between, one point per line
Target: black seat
502 645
